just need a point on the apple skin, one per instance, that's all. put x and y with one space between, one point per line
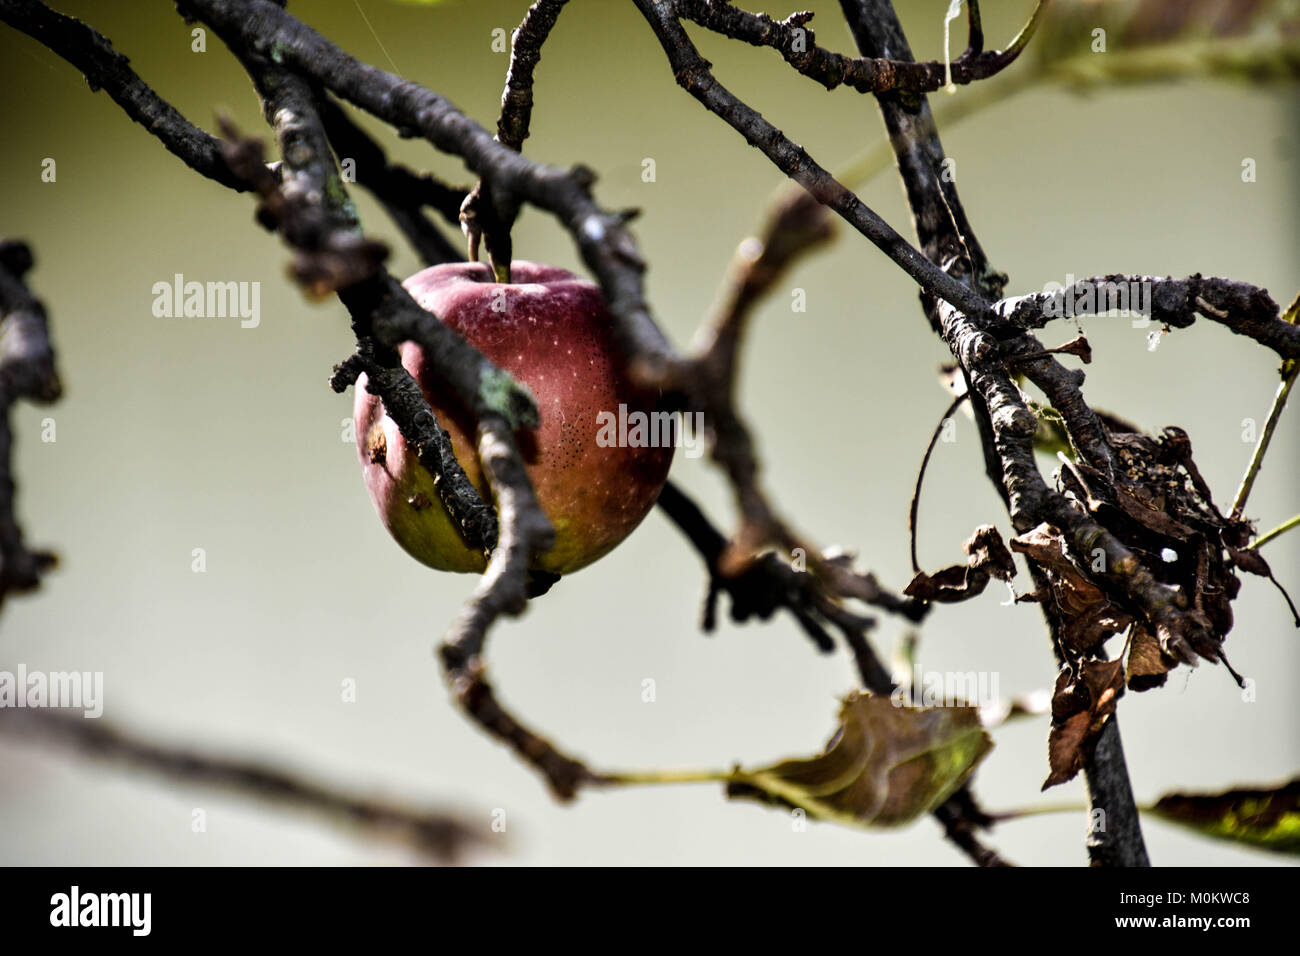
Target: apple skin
553 332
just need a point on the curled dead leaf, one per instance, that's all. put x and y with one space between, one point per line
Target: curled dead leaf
988 557
1147 665
1088 616
1084 699
886 765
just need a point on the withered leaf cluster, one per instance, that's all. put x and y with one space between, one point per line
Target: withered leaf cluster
1157 504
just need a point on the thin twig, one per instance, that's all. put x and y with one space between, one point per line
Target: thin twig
445 836
794 40
525 53
1281 529
692 73
920 477
489 213
107 69
1265 438
1290 371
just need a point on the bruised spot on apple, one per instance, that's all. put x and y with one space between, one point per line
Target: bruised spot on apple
552 331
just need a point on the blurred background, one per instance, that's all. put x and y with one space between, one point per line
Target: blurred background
177 434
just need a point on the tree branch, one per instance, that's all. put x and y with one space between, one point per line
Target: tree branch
1006 424
400 191
292 66
27 370
524 530
794 40
1117 840
525 52
1238 306
107 69
602 238
439 834
692 73
490 214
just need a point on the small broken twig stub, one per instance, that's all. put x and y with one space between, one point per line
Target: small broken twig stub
27 371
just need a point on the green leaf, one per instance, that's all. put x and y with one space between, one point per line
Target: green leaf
1268 819
886 765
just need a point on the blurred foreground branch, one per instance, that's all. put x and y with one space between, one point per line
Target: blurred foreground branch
442 835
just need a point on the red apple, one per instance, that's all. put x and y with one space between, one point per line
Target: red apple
552 331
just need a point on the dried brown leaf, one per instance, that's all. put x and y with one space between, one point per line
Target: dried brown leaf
1147 664
1084 699
987 557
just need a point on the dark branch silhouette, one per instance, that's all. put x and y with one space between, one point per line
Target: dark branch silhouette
26 371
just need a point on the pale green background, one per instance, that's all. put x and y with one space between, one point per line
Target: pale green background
184 433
